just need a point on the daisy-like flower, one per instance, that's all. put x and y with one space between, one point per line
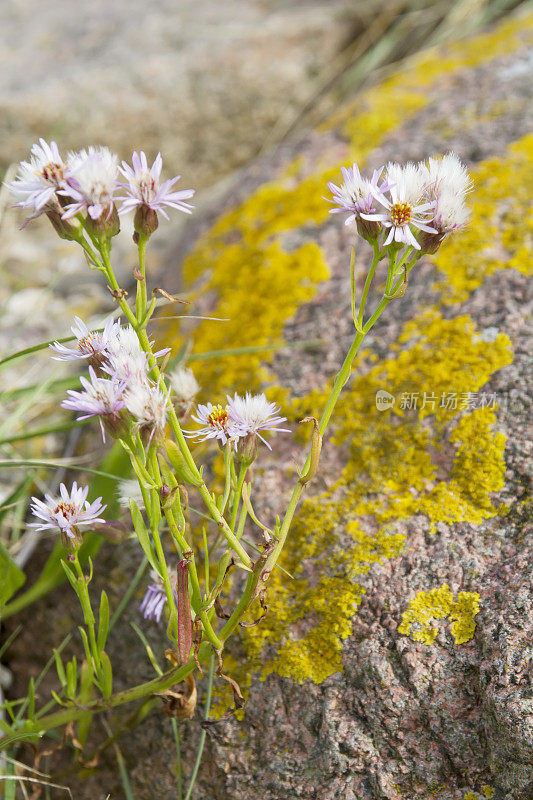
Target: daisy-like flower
216 424
101 397
92 181
148 404
356 194
253 413
447 183
404 209
91 345
127 490
39 179
68 512
144 189
184 386
126 360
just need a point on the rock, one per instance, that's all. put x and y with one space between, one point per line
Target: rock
418 516
418 513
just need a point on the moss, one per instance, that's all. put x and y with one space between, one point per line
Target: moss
440 604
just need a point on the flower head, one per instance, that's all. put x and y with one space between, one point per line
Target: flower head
39 179
148 404
216 424
447 183
100 397
154 600
91 345
68 512
144 188
403 209
125 359
253 413
356 194
185 387
92 181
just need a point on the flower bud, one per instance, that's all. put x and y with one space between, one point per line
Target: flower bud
107 225
65 228
247 448
368 229
430 242
74 542
145 221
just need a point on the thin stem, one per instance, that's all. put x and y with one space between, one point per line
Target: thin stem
140 300
207 709
368 282
237 498
179 767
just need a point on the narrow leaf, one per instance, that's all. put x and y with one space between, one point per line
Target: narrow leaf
103 621
143 535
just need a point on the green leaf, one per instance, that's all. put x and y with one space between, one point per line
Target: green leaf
11 576
31 699
60 669
143 535
72 677
103 621
107 674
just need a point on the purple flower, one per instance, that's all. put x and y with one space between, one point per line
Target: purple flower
68 512
216 424
101 397
91 345
253 413
144 188
356 194
39 179
153 602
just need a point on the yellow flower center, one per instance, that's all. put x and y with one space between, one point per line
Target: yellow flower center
85 344
218 418
401 213
53 173
66 509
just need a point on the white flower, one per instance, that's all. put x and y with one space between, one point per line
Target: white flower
101 397
447 182
145 189
253 413
216 424
39 179
126 360
405 186
92 181
68 512
129 489
184 384
91 345
148 404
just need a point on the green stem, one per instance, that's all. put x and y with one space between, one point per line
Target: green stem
207 709
140 300
88 615
237 498
368 282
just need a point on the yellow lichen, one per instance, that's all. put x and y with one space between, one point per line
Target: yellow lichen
399 463
440 604
488 791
